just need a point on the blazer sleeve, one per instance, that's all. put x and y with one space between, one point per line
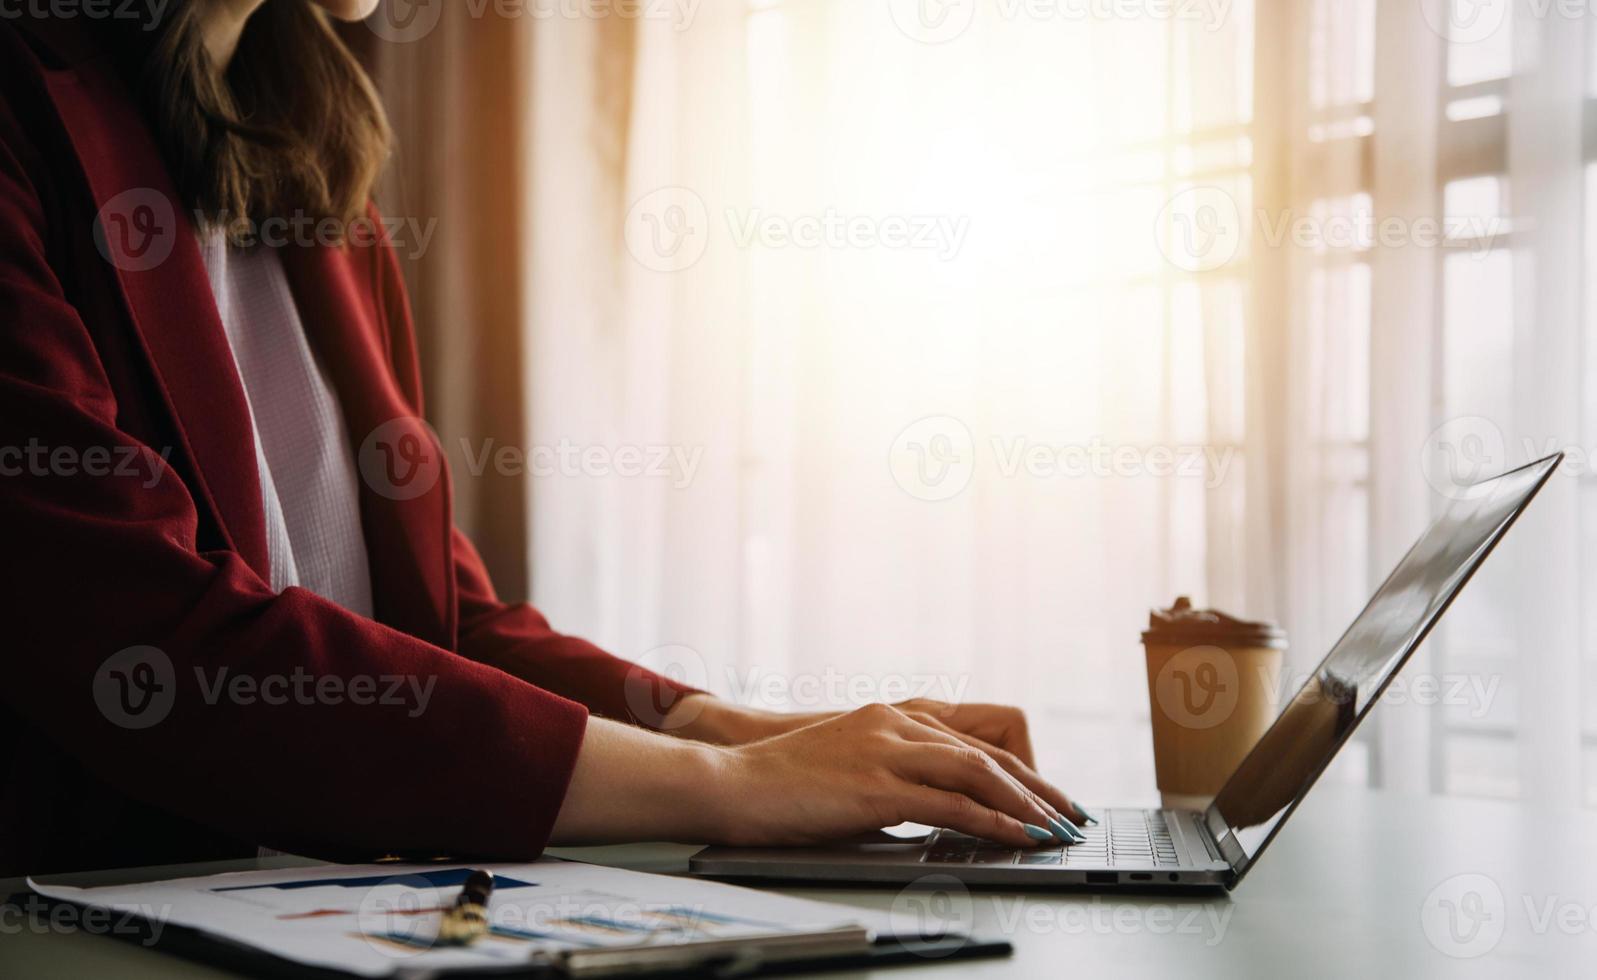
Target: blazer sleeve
291 722
518 640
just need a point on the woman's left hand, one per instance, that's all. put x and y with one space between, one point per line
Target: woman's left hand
998 730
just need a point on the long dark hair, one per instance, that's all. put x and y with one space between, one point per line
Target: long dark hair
294 127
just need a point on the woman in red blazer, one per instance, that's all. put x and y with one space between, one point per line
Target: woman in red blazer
162 702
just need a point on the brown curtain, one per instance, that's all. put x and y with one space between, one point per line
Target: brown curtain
461 105
454 98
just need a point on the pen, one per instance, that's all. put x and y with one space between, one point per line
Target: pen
467 921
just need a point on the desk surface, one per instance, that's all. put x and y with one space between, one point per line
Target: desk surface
1360 884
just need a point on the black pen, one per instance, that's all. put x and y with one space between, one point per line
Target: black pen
468 920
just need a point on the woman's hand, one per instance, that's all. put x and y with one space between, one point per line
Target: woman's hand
840 776
873 768
997 730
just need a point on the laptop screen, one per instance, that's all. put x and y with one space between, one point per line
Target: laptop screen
1322 715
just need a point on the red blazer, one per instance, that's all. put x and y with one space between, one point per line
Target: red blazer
106 368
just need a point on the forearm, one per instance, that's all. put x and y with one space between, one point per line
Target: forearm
706 718
631 784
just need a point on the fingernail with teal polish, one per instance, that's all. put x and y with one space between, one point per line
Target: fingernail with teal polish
1037 833
1066 831
1085 815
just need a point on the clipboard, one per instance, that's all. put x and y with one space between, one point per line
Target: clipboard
850 949
549 918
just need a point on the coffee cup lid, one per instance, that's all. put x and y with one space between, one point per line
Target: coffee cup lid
1184 625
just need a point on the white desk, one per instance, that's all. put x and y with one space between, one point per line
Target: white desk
1346 892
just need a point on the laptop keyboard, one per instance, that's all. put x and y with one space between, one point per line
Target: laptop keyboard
1137 838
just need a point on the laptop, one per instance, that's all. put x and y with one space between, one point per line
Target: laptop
1177 849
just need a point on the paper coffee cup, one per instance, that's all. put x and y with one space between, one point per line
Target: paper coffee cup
1213 684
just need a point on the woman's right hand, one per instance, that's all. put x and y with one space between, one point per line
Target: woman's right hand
845 775
873 768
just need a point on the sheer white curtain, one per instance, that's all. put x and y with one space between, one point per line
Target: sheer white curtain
973 338
1446 340
967 407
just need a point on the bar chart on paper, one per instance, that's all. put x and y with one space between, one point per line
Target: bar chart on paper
378 920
